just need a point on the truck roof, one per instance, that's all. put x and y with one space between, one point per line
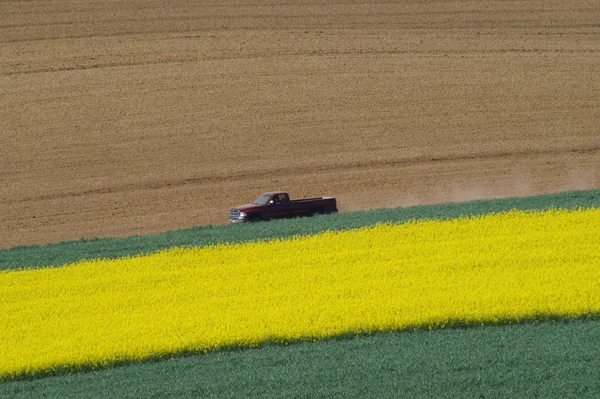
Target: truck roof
275 192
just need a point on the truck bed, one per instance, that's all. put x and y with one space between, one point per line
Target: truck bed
296 201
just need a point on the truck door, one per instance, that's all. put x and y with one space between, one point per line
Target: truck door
279 207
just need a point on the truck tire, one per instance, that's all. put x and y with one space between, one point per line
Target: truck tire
316 211
256 218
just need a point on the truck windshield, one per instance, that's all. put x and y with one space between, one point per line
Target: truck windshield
262 200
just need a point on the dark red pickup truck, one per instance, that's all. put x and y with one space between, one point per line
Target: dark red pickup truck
277 205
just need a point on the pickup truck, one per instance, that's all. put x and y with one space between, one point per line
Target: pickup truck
277 205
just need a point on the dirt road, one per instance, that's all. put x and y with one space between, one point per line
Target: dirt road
136 117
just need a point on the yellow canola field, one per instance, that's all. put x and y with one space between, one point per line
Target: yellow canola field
479 270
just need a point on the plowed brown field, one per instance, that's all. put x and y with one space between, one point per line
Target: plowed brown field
140 116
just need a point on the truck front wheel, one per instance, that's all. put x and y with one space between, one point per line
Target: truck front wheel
256 218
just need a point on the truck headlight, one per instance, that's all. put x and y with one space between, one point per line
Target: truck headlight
242 215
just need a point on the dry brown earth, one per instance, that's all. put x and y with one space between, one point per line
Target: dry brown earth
140 116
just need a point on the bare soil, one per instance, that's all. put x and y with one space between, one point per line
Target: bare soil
140 116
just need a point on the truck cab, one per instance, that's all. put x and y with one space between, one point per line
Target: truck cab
273 198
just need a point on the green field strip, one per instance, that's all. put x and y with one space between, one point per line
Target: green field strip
72 251
550 360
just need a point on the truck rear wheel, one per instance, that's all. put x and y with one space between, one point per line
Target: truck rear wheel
316 212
